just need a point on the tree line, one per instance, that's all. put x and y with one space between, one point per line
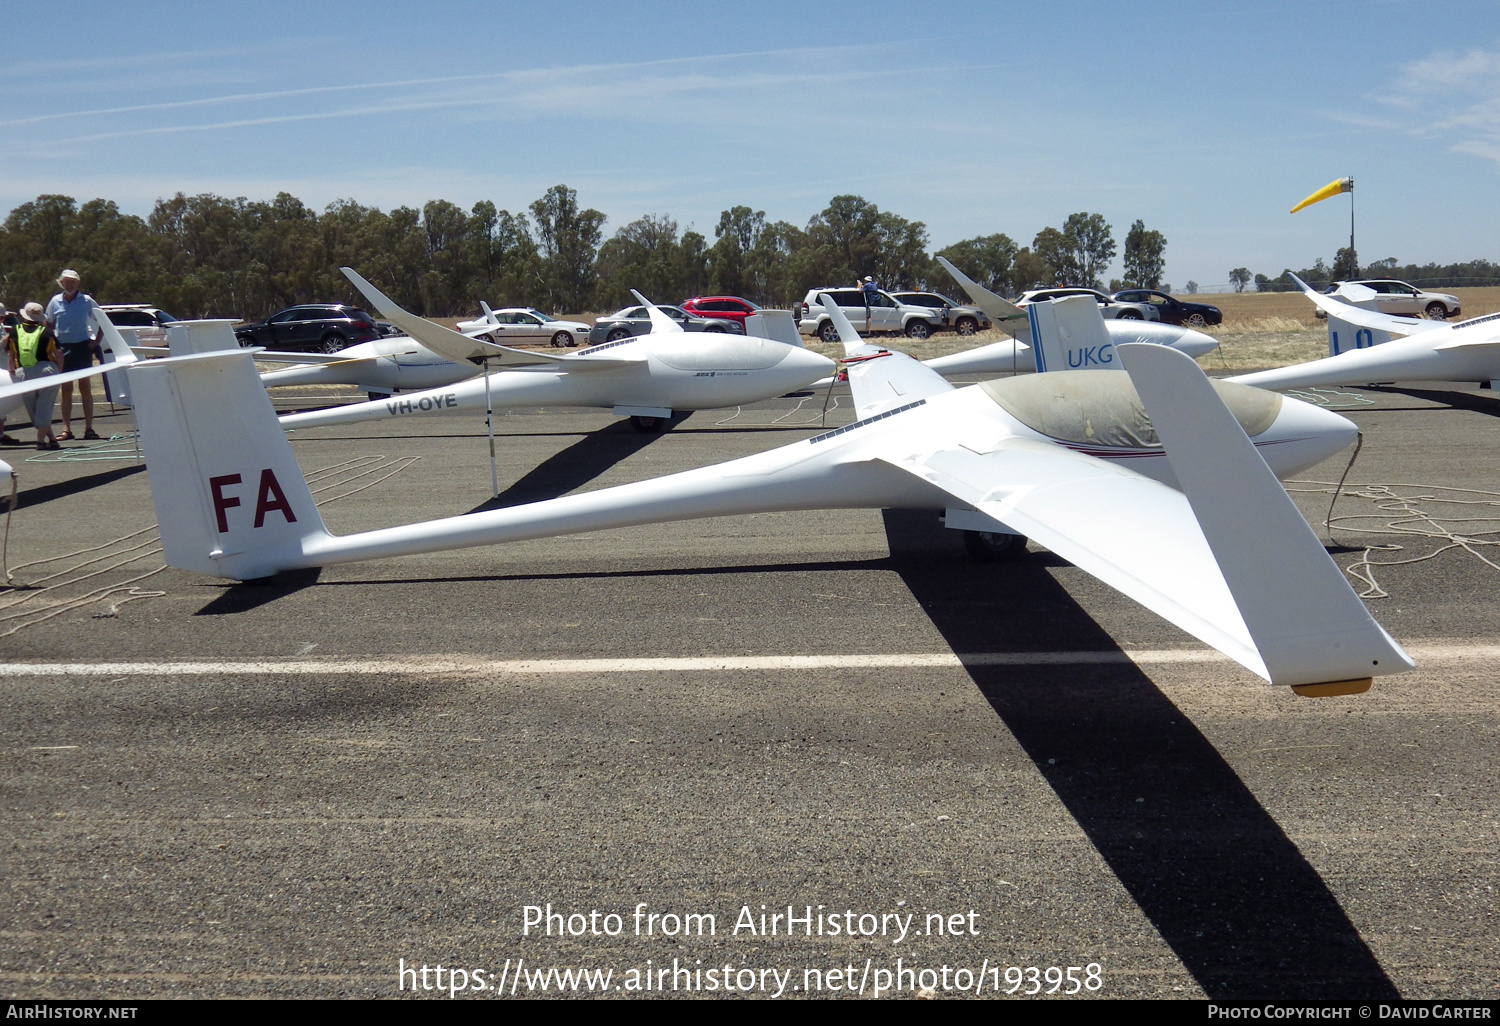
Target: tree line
213 256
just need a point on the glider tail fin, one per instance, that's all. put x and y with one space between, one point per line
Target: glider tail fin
230 498
1310 629
1069 334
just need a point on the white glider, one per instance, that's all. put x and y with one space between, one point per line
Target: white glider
379 367
1018 353
1228 558
644 377
1435 351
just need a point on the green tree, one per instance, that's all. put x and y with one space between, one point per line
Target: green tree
987 259
1145 257
1239 278
730 258
1058 253
1345 264
845 238
1093 245
643 255
1030 270
568 238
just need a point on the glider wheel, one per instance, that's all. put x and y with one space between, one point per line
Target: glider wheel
647 425
990 547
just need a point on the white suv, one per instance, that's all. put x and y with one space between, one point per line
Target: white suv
149 322
886 315
1397 297
1111 308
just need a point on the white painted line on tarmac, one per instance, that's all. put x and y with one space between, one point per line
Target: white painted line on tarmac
422 667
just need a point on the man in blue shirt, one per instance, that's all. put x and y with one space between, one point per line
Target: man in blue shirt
870 290
70 315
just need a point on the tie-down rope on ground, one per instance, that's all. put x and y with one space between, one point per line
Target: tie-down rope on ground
1410 510
1330 398
820 419
34 596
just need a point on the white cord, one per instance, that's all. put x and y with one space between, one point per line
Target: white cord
35 595
1412 516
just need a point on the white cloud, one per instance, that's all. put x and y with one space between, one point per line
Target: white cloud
1450 97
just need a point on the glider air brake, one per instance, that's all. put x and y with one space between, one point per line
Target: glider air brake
645 377
1465 351
1071 335
1228 558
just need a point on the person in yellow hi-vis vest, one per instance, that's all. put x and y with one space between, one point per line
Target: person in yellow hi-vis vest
33 353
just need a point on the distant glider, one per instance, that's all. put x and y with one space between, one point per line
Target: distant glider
1466 351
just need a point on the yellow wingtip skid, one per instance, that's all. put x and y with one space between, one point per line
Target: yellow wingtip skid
1334 688
1333 188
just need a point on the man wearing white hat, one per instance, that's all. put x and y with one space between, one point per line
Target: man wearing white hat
70 315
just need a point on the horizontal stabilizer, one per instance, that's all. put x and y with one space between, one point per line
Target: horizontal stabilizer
776 325
114 343
1363 318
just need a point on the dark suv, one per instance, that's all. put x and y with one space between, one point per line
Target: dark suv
317 327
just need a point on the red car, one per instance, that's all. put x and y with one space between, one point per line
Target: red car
729 308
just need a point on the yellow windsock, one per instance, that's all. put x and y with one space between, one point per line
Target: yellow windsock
1331 189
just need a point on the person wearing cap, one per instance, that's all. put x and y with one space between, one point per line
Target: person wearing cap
32 352
869 289
70 315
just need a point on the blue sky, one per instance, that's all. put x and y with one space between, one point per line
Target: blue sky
1208 121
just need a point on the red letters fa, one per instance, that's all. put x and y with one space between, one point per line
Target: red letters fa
271 497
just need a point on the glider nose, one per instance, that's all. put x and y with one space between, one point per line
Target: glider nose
1195 343
807 365
1303 435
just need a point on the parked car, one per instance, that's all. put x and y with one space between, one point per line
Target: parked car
633 320
1397 297
1111 308
1170 310
150 324
886 314
729 308
527 324
317 327
959 317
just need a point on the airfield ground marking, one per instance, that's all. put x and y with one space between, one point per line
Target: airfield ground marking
1437 652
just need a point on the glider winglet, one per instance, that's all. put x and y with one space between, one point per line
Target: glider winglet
1311 630
1004 314
660 322
447 343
